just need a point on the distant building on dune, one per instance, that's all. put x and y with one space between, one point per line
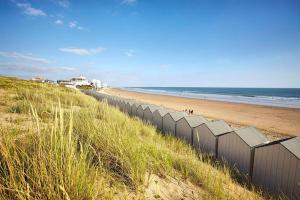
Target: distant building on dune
64 82
42 80
97 83
79 81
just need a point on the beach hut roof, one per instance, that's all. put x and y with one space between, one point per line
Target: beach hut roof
251 136
195 120
144 106
178 115
137 104
218 127
293 145
153 108
130 102
163 111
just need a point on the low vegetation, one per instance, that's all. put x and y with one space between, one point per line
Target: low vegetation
58 143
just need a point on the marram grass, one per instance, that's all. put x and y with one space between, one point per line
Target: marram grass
70 146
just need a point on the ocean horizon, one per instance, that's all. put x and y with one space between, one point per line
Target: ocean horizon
279 97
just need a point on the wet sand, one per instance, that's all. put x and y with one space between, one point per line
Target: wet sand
276 122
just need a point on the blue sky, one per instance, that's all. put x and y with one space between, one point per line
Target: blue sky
233 43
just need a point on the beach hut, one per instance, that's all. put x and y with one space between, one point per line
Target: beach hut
128 106
276 167
205 136
185 126
122 104
140 110
134 108
169 121
148 113
158 115
237 148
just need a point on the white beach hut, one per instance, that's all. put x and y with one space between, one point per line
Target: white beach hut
185 126
276 167
169 121
237 148
205 136
158 115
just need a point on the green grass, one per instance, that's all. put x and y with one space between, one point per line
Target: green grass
70 146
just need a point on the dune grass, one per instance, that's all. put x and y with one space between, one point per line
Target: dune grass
70 146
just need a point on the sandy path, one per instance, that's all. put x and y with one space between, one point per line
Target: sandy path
274 121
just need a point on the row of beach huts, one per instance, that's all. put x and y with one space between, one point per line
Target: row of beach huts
272 166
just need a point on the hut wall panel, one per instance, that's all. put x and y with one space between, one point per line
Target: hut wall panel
279 166
184 131
291 175
273 169
158 121
235 151
169 125
148 116
140 112
285 171
128 109
258 167
205 141
297 182
133 110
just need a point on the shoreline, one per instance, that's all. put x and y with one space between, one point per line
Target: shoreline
274 101
276 122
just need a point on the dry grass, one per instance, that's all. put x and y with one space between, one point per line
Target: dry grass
72 147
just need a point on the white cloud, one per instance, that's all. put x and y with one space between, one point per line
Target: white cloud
33 68
81 51
129 2
59 22
29 10
28 57
75 25
129 52
64 3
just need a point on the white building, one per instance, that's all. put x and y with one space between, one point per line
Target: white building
97 83
79 81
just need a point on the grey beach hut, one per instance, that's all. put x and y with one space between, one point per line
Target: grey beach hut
158 115
237 148
185 126
205 136
276 167
169 121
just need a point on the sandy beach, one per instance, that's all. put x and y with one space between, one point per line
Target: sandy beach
276 122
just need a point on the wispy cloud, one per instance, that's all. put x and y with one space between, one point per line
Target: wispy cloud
81 51
129 52
59 22
28 57
34 68
64 3
75 25
29 10
129 2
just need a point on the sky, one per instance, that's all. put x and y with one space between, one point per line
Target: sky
199 43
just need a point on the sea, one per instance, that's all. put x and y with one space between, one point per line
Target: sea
279 97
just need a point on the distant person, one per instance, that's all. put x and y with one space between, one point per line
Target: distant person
192 111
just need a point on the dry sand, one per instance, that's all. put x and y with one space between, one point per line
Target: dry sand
274 121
